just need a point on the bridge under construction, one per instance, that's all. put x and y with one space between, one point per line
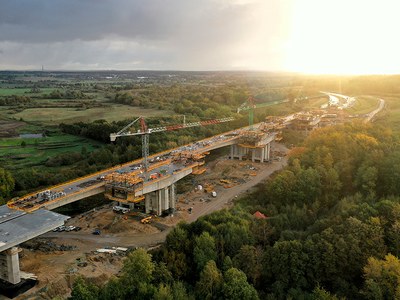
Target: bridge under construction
149 188
152 191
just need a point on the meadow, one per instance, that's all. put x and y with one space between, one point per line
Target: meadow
19 153
22 91
56 115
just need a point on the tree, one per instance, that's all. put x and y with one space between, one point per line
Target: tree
177 239
237 287
7 184
163 293
138 268
114 289
84 151
382 278
210 282
286 265
176 263
161 274
204 250
321 294
249 260
366 178
393 236
179 291
81 290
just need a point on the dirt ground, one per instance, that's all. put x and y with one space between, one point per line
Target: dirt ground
57 269
9 128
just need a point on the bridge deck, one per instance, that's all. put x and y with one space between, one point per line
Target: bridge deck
56 196
17 227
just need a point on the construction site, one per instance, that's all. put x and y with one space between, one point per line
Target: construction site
144 196
58 257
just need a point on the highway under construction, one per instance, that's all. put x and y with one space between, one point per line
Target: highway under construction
146 184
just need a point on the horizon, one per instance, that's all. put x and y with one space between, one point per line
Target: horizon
201 71
301 36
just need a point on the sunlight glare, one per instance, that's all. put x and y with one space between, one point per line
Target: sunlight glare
344 37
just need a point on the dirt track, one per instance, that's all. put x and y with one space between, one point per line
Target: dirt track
50 267
127 239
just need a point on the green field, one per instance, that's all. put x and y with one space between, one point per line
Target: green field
37 151
55 116
392 112
363 105
315 103
22 91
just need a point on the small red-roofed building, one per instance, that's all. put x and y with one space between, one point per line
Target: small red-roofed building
259 215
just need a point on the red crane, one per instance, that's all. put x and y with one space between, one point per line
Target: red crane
144 131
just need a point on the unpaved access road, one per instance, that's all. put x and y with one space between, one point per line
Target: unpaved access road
126 239
51 267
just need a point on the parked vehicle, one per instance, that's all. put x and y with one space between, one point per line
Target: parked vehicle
70 228
96 231
120 209
60 228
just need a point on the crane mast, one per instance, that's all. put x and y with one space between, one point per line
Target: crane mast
250 105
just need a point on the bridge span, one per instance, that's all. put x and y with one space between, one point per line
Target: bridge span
153 192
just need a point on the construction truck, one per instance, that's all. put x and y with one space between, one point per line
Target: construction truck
146 220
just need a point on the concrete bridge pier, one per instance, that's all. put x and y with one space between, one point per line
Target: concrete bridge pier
257 153
238 152
9 265
160 200
261 154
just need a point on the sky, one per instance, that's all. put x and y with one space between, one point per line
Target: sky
310 36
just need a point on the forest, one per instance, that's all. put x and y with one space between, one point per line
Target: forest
331 232
332 229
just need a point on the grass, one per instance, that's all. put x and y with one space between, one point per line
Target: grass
37 151
22 91
54 116
16 91
313 103
392 113
363 105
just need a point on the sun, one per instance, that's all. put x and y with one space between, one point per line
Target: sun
343 37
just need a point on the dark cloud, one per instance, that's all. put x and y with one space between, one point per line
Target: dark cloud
64 20
181 34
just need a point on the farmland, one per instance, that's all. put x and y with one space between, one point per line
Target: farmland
54 116
20 153
76 111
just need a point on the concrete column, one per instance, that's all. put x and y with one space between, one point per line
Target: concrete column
267 151
172 196
253 155
147 204
159 202
166 198
232 152
9 266
262 154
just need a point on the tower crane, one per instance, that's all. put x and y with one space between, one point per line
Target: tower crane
145 131
250 105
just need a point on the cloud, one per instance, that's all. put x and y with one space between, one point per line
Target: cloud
175 34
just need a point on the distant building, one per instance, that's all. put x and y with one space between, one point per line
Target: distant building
259 215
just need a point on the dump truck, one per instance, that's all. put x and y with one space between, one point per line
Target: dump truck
146 220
